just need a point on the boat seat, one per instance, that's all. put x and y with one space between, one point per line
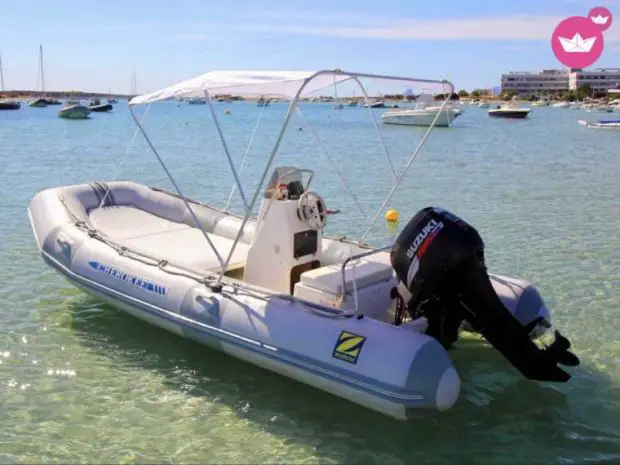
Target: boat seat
364 271
159 237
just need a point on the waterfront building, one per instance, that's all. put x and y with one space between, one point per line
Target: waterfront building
553 81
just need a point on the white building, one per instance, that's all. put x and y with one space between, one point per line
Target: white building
598 79
553 80
546 81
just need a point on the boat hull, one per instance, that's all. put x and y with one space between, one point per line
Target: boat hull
41 103
420 118
272 332
74 112
104 107
10 105
511 114
609 124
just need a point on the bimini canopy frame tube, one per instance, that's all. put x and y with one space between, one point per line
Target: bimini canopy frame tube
228 157
287 119
291 84
399 179
189 208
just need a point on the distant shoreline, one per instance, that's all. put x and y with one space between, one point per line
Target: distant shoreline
27 95
32 95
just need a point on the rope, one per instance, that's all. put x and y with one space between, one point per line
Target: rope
247 150
400 178
331 162
118 171
209 279
178 189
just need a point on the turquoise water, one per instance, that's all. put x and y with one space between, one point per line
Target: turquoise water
82 382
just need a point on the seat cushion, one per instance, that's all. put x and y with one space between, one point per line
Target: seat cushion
158 237
190 248
329 278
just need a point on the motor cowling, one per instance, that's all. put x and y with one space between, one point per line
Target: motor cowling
439 261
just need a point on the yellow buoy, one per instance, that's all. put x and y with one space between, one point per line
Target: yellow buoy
391 216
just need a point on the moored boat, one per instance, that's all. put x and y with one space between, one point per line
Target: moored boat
509 110
425 113
263 102
10 105
38 103
99 107
75 111
601 124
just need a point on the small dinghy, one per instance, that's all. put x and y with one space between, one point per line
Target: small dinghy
371 325
602 124
75 111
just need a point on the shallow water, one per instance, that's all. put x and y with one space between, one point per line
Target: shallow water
82 382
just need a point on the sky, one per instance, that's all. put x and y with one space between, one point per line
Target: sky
95 46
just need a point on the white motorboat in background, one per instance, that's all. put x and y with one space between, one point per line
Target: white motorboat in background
540 103
423 114
561 105
371 325
483 104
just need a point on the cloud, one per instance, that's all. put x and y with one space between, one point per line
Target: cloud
508 28
352 25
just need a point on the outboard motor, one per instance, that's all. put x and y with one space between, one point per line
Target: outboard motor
439 259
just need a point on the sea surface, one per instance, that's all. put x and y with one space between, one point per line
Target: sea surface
82 382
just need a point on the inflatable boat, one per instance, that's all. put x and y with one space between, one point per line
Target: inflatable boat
371 325
601 124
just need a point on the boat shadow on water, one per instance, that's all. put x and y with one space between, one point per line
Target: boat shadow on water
499 418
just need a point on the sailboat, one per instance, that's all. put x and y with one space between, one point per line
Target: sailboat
7 104
339 105
110 98
134 85
41 101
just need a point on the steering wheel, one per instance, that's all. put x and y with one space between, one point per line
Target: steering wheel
311 210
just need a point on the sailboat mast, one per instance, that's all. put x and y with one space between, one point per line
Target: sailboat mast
1 74
41 65
133 83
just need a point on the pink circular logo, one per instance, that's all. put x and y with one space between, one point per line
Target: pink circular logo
577 42
601 17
